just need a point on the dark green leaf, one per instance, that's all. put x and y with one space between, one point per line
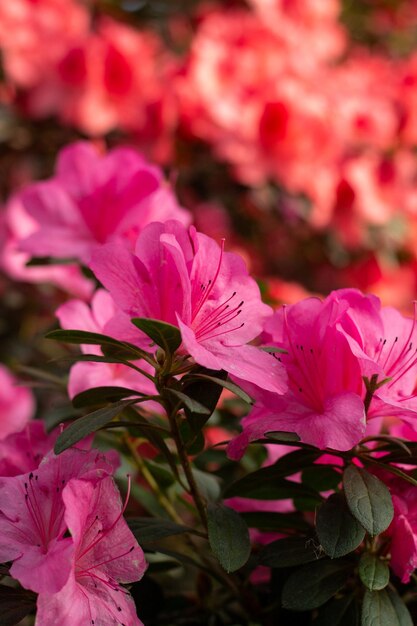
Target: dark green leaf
207 483
269 521
148 501
373 572
338 531
140 427
161 473
295 461
88 424
228 537
282 436
368 499
384 608
273 350
148 529
227 384
186 401
290 551
204 391
321 477
314 584
37 261
267 484
164 335
339 612
194 442
101 395
306 503
15 604
96 339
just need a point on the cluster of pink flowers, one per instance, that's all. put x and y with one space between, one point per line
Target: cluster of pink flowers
264 88
305 139
331 371
61 522
77 577
275 88
348 361
94 73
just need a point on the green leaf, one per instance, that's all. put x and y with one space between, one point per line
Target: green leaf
290 551
207 483
321 477
148 501
164 335
204 391
140 426
338 531
282 436
227 384
267 484
37 261
96 339
294 461
368 499
161 473
228 537
15 604
339 612
186 401
273 350
194 442
101 395
373 572
269 521
149 529
384 608
88 424
314 584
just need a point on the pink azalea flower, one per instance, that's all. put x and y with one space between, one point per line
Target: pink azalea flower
385 343
93 199
22 452
323 404
32 524
18 225
184 278
77 315
17 404
104 554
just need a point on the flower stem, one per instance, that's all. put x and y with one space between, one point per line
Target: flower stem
162 499
185 462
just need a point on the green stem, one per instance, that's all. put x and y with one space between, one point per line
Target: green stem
185 462
162 499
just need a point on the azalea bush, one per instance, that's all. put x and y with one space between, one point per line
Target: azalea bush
208 392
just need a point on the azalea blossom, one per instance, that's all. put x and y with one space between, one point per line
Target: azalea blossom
22 452
18 225
32 524
324 403
385 343
185 278
331 348
104 554
17 404
93 199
